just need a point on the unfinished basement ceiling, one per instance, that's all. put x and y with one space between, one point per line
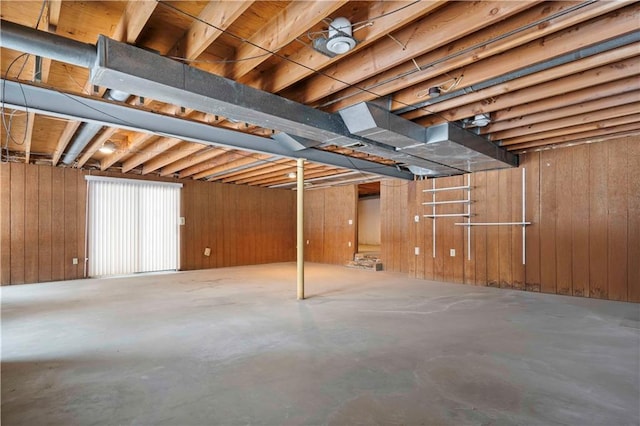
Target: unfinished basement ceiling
544 74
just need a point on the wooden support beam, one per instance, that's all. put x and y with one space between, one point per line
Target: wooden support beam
49 23
442 27
134 18
149 152
279 177
282 29
126 149
469 50
53 15
243 160
289 72
541 49
199 36
581 137
533 92
259 170
275 174
95 145
545 136
550 115
31 118
561 123
190 160
224 156
194 41
309 175
168 157
64 139
577 97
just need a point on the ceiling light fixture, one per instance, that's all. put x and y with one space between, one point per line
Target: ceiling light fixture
108 147
340 36
481 120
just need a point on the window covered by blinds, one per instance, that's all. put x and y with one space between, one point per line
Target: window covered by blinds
133 226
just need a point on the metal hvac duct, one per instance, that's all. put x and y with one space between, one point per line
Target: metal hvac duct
88 131
370 128
57 103
48 45
447 145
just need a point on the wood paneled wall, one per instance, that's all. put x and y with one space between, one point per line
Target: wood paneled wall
394 223
43 215
584 240
242 225
42 223
327 229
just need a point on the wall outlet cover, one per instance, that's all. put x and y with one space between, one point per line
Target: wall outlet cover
207 251
181 221
416 250
74 261
452 252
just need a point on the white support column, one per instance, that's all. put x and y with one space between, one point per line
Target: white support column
300 227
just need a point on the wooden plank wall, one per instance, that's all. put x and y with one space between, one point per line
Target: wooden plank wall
584 240
43 215
395 247
42 223
242 225
330 238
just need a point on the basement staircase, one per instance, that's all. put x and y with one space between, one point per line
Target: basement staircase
369 261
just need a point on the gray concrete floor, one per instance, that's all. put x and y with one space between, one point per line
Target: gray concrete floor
233 346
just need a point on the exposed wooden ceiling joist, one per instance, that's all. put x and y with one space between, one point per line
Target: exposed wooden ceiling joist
476 52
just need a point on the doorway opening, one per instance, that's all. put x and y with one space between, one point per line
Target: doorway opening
369 218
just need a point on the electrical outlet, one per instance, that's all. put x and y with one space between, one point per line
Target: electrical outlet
207 251
349 243
307 242
350 221
416 250
182 221
452 252
74 261
416 218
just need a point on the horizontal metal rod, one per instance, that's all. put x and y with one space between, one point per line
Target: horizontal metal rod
435 203
446 189
433 216
56 103
493 223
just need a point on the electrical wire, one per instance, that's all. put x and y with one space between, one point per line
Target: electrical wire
8 125
366 21
274 53
267 53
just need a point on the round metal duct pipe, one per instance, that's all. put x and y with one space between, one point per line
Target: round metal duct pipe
47 45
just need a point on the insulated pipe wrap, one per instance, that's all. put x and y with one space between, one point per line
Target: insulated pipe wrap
47 45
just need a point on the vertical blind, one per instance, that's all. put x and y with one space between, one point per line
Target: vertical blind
133 226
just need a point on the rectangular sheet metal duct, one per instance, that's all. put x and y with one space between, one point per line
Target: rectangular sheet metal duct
57 103
134 70
448 146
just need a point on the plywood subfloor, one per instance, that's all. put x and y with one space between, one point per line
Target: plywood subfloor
233 346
